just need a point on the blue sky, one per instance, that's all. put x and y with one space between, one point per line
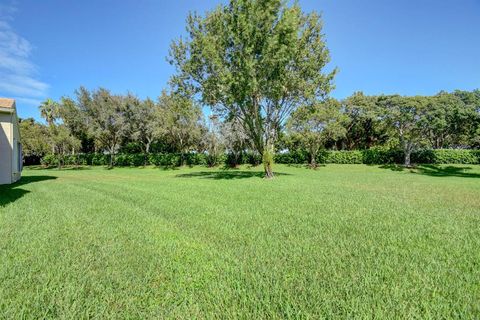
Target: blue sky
49 48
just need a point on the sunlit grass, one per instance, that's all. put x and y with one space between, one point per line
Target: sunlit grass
341 241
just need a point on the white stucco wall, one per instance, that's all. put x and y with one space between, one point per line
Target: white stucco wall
6 141
16 159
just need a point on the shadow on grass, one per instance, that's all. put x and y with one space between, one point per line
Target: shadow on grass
435 170
449 171
393 167
226 175
306 165
64 168
11 192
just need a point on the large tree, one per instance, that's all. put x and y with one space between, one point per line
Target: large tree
106 118
146 121
364 128
315 125
181 122
34 138
255 60
76 121
406 116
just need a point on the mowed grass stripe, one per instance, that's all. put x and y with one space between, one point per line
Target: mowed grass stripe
343 241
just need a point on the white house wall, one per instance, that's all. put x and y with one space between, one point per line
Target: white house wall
16 167
6 141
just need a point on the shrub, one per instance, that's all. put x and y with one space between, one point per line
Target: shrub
195 159
292 157
165 159
49 160
447 156
371 156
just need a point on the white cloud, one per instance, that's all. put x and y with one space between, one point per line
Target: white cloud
29 101
23 85
18 74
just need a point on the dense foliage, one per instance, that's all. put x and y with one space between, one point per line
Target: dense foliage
256 62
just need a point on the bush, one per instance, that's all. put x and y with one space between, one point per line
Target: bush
292 157
195 159
371 156
49 160
446 156
165 159
382 156
341 157
131 160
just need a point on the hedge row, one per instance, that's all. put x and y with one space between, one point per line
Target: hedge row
294 157
374 156
156 159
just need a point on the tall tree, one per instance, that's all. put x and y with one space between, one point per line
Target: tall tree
406 117
314 125
147 121
256 60
364 128
49 111
76 121
106 118
181 122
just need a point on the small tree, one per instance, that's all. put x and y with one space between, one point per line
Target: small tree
254 60
406 117
49 112
314 125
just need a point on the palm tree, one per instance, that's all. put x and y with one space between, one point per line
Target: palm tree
49 111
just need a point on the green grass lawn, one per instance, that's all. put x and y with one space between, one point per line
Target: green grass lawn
342 241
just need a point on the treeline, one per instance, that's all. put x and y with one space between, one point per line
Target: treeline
173 130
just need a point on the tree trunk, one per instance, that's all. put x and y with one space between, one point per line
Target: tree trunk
268 170
147 151
313 161
313 150
112 158
407 153
267 158
182 158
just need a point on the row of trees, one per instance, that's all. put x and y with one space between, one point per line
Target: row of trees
260 67
98 121
446 120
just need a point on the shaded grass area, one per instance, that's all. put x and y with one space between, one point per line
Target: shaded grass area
437 170
340 241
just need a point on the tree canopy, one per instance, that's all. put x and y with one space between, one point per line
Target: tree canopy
256 61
